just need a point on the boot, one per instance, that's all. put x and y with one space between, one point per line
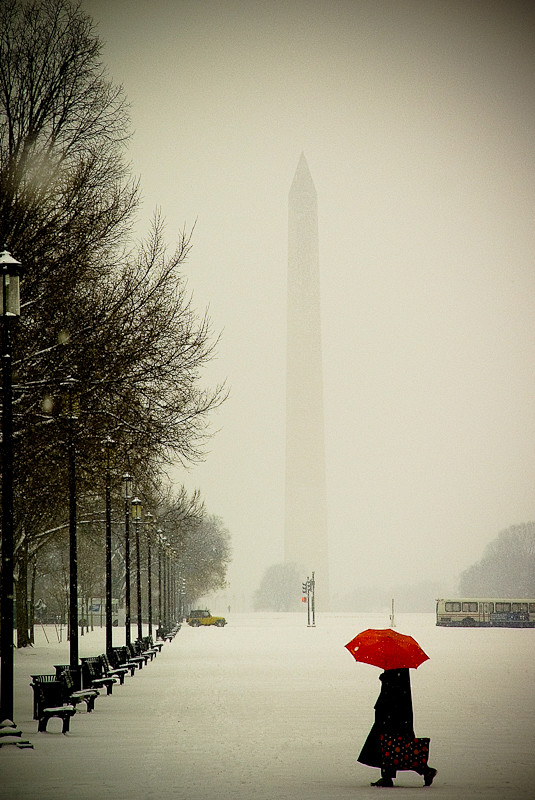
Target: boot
429 776
383 782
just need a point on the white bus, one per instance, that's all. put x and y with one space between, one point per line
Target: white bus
490 612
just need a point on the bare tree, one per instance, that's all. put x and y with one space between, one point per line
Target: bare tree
120 322
507 567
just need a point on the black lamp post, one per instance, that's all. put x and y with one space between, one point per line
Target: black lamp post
108 444
165 617
159 540
71 413
136 516
169 587
182 599
10 309
149 519
127 481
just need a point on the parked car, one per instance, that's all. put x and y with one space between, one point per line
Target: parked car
203 617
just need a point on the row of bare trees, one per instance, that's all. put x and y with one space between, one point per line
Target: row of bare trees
506 568
115 319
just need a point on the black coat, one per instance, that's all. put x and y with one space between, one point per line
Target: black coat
393 714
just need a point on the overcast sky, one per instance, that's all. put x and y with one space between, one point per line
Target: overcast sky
417 122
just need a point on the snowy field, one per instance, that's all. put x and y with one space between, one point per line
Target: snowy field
268 709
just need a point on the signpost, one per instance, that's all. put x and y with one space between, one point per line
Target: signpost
309 598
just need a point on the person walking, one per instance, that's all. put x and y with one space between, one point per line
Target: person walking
393 718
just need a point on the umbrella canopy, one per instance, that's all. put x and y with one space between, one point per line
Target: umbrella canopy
387 649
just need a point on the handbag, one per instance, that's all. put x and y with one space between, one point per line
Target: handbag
402 752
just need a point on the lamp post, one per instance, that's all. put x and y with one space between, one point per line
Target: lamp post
170 586
10 309
136 516
68 387
108 444
159 534
150 529
127 481
182 599
164 583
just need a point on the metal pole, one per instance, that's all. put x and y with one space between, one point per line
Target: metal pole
164 567
138 584
313 583
308 602
127 621
149 581
167 589
159 579
6 640
109 622
73 553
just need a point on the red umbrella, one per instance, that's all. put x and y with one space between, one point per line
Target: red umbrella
387 649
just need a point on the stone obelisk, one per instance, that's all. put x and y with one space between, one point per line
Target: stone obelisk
305 488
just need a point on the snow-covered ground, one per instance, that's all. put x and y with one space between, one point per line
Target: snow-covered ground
269 709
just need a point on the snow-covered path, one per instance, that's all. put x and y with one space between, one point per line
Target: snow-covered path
268 709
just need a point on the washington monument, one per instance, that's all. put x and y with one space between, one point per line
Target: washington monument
305 490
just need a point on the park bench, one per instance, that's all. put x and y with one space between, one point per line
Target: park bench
11 734
69 695
168 634
114 672
148 644
144 647
73 695
48 702
134 655
93 676
119 658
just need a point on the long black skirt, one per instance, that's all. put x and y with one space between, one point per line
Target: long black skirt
371 749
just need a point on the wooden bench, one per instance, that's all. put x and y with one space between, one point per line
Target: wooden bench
144 648
119 658
11 734
74 696
114 672
168 634
134 655
150 647
93 676
48 702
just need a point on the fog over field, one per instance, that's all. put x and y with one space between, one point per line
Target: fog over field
417 122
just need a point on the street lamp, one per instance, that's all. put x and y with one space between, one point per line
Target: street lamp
127 481
10 309
71 412
149 519
108 444
182 599
159 535
165 617
136 516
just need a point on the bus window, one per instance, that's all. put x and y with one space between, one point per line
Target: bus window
503 607
520 606
453 606
471 607
532 608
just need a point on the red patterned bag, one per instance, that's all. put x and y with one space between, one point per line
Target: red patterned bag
399 752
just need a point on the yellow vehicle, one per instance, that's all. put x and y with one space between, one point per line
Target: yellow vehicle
203 617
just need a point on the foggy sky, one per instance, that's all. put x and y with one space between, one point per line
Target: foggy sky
417 122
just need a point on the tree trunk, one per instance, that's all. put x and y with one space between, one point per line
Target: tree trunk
32 602
21 593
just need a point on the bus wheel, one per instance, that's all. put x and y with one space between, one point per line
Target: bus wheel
468 622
